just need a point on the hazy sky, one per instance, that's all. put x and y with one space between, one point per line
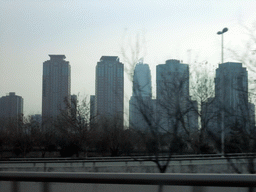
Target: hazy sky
84 30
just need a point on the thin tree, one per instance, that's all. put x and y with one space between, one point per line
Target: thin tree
74 125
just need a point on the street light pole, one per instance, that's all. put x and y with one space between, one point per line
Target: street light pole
222 111
221 33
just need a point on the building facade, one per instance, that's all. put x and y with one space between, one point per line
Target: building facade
11 110
92 111
109 90
172 94
252 115
36 122
73 107
140 104
56 89
209 116
192 116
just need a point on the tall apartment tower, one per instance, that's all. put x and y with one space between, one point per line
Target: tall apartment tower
140 105
56 88
231 92
109 93
11 110
172 80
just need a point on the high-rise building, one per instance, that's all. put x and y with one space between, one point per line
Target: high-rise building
109 93
56 89
140 105
172 92
231 92
142 81
11 110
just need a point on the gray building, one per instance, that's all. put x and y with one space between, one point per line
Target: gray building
140 104
56 89
11 110
37 118
209 116
192 124
109 90
142 81
36 121
172 94
231 92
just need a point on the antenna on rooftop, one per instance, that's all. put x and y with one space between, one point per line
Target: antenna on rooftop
140 60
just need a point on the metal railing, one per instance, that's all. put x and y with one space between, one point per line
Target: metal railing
97 164
220 180
128 158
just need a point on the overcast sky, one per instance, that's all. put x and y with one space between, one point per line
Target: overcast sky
84 30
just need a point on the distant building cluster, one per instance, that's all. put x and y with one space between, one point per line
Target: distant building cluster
174 111
171 111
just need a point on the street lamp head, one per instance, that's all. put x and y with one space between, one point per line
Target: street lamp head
224 30
219 32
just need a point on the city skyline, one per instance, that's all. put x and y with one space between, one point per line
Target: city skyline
146 84
231 89
84 31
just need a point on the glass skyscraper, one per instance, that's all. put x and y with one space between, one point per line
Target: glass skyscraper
140 105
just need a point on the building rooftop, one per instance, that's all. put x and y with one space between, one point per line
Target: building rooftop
11 93
109 58
230 64
172 61
57 57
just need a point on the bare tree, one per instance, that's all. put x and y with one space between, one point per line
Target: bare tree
73 124
166 118
112 138
202 90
